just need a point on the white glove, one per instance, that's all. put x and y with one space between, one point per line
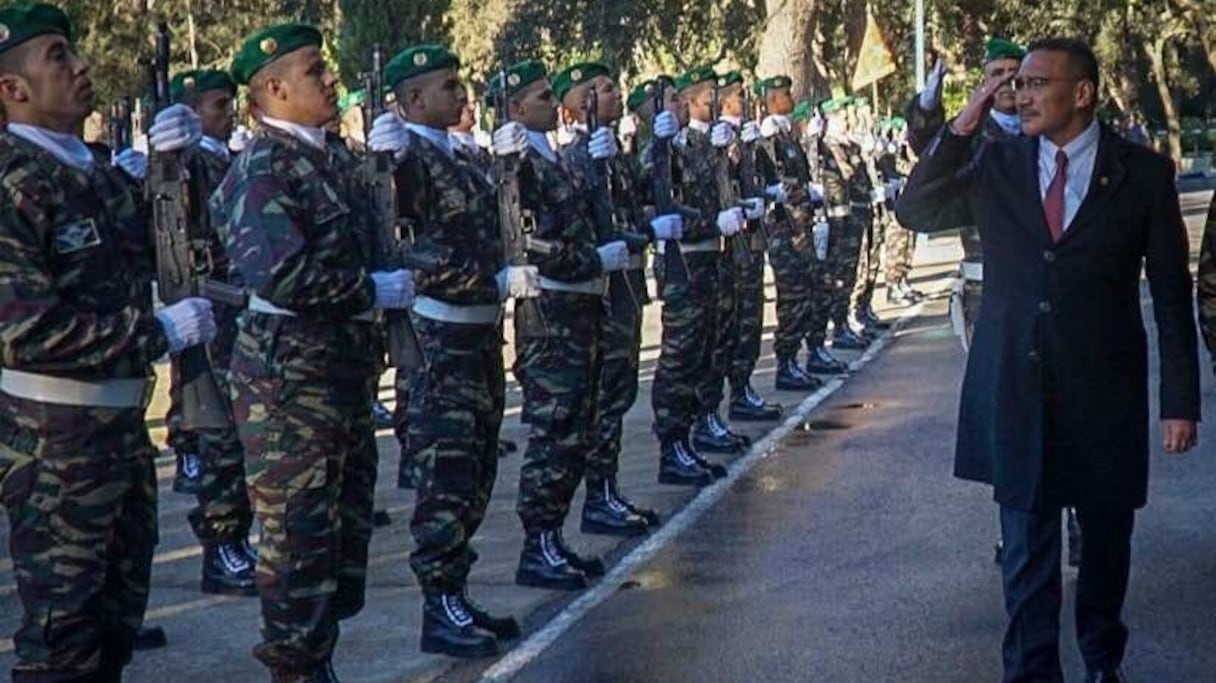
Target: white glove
931 97
753 208
187 323
394 289
134 164
388 134
603 144
878 195
868 144
777 193
175 128
518 282
669 226
721 135
750 132
814 192
628 126
240 139
892 189
774 124
510 138
614 256
814 127
665 126
819 236
730 222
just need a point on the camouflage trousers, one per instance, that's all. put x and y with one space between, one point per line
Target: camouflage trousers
790 252
620 348
711 389
557 364
844 254
406 383
454 417
749 317
79 486
901 245
869 264
311 467
690 327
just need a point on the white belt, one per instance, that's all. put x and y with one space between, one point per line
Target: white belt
841 211
713 244
477 314
259 305
594 286
108 393
972 270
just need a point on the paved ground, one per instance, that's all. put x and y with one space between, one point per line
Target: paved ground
211 636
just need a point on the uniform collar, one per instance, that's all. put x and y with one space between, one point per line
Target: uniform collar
540 143
314 137
213 146
436 137
734 121
69 149
699 125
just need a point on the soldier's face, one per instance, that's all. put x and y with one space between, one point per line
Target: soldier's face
609 104
780 101
730 100
1005 100
53 88
302 91
215 108
699 103
437 99
535 107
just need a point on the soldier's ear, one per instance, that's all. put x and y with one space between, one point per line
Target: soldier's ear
13 87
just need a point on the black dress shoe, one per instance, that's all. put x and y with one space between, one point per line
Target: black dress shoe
678 468
747 406
150 638
1111 676
820 362
380 518
593 567
503 628
652 518
846 340
506 447
790 377
543 565
228 570
188 477
448 628
604 514
708 436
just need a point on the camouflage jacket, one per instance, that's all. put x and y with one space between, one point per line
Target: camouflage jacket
697 164
75 269
450 208
295 222
844 175
561 208
621 208
209 169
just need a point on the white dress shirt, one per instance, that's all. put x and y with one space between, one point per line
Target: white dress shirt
1082 154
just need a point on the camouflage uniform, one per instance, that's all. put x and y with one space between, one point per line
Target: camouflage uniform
736 256
748 276
620 342
295 229
894 166
843 160
456 404
78 482
557 340
873 238
690 310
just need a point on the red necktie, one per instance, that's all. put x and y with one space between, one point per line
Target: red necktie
1053 203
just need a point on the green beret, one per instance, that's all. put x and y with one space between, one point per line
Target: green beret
999 48
418 60
730 78
19 23
519 76
269 44
644 92
835 105
773 83
693 76
200 81
577 74
802 111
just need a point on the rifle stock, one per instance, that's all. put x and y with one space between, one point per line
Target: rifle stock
675 268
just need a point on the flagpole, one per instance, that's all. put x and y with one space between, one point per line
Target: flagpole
920 45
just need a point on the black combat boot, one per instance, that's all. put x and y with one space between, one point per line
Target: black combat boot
747 406
709 436
448 628
790 377
821 362
228 570
678 467
542 564
604 514
189 475
503 628
652 518
716 422
871 320
150 638
845 339
593 566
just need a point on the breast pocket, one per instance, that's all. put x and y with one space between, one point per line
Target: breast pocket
83 254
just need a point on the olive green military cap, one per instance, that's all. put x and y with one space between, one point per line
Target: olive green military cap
575 75
802 111
19 23
519 76
1000 48
418 60
835 105
644 92
200 81
773 83
269 44
695 75
729 78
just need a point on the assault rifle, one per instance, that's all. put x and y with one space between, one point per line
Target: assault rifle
749 186
119 125
183 266
621 295
403 348
728 190
674 266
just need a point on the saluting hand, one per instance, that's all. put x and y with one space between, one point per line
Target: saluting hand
973 115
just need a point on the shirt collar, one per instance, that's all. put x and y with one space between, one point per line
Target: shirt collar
436 137
540 142
309 135
1010 123
735 121
215 147
66 147
699 125
464 140
1078 146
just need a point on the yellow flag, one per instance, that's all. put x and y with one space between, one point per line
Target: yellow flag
875 61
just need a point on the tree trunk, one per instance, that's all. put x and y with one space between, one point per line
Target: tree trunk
787 44
1155 51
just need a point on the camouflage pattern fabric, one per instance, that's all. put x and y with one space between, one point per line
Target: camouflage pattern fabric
749 315
727 336
844 245
294 221
557 343
901 245
456 400
690 309
1206 280
869 264
78 483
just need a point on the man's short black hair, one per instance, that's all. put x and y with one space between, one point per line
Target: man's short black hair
1084 62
